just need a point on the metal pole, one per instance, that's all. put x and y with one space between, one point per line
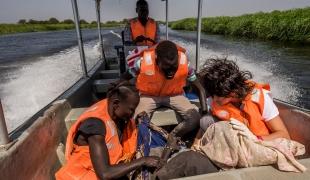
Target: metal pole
198 33
79 36
102 54
167 20
4 137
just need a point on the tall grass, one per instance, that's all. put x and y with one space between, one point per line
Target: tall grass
21 28
290 25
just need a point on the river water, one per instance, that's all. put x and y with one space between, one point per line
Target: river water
35 68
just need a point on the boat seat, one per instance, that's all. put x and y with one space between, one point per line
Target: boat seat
72 116
113 67
113 63
113 59
109 74
165 117
254 173
70 119
102 85
161 117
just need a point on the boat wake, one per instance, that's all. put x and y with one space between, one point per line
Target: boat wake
30 86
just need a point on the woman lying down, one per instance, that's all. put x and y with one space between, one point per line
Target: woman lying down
248 130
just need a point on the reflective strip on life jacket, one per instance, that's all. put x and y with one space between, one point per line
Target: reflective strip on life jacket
151 81
149 31
79 164
250 112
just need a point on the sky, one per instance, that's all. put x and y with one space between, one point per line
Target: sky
13 10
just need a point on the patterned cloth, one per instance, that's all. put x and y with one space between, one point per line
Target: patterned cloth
227 149
149 137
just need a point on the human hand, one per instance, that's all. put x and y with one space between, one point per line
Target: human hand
161 164
242 129
172 142
150 161
140 116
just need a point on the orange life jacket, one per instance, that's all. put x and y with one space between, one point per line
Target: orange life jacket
79 164
151 81
149 30
250 112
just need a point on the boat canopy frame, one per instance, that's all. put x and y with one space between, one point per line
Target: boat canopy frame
4 137
79 34
198 25
80 39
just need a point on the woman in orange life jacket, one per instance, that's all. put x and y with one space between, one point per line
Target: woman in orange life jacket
246 104
103 140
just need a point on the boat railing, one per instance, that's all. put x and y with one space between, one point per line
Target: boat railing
199 13
102 53
4 136
167 20
198 33
79 36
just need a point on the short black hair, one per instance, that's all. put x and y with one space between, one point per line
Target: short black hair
221 77
122 90
141 3
166 49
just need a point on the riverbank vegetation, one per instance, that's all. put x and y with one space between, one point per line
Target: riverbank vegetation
290 25
51 25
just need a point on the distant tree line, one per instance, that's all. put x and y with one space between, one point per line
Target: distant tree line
289 25
53 20
53 24
50 21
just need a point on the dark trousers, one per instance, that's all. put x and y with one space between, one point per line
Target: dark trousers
189 163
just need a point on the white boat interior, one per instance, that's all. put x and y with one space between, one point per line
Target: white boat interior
36 149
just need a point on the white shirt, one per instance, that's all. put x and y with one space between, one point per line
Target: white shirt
270 110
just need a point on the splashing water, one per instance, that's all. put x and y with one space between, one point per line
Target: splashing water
34 85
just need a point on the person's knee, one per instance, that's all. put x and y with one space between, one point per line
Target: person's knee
193 117
146 104
206 121
189 123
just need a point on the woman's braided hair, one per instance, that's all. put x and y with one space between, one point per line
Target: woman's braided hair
222 77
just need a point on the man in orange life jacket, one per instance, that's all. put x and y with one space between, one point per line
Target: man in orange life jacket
162 71
246 104
103 141
141 31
